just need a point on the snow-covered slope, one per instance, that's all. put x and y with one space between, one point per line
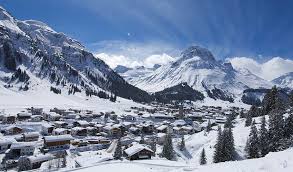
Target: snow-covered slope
285 80
198 67
130 74
33 54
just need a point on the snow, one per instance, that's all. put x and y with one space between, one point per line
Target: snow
57 138
135 149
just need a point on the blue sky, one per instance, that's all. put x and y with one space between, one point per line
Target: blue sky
227 27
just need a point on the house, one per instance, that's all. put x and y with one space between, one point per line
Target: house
162 129
130 118
138 151
92 131
60 124
79 131
36 111
29 137
81 123
4 144
52 116
18 149
22 116
60 131
57 142
9 119
35 162
36 118
12 130
47 129
112 131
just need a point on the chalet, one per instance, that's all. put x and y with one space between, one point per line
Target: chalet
12 130
112 131
162 129
36 111
71 116
9 119
138 151
134 130
47 129
57 142
4 144
92 131
52 116
36 118
147 128
81 123
18 149
35 162
162 117
60 131
29 137
60 124
22 116
129 118
79 131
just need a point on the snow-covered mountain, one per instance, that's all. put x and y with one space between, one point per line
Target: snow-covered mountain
285 80
198 67
130 74
32 55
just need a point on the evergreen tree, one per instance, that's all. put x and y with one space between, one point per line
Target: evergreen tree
291 99
276 129
228 123
218 147
242 115
288 128
118 150
252 145
248 119
209 126
203 159
154 145
168 151
228 145
182 143
263 138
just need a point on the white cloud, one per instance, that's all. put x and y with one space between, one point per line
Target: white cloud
133 54
114 60
269 70
157 59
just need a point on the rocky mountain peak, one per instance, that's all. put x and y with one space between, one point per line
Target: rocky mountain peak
198 51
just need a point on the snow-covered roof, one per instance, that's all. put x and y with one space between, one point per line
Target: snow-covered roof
31 134
24 114
82 122
18 145
58 138
40 158
5 141
162 127
135 149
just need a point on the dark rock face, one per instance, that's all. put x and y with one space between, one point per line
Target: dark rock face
179 92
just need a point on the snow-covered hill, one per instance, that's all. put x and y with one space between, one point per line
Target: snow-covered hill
33 56
198 67
285 80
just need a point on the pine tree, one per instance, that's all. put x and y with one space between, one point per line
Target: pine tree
209 126
228 145
252 145
242 115
168 151
263 138
182 143
288 128
154 145
248 119
218 147
228 123
276 129
118 150
203 159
